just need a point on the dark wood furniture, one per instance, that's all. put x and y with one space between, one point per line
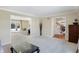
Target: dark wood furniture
73 33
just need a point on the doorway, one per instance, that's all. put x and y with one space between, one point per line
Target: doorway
60 27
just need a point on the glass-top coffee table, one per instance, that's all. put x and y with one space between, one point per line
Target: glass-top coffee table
24 47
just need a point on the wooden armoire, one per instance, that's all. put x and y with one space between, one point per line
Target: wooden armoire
74 33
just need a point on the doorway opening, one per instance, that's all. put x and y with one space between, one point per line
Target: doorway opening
60 27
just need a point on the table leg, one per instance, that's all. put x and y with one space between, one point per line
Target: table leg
38 50
11 49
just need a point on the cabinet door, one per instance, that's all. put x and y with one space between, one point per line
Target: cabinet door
73 33
72 38
78 31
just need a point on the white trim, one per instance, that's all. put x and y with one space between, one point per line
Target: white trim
18 12
15 17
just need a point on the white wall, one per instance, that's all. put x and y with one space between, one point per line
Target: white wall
4 28
53 22
46 27
35 30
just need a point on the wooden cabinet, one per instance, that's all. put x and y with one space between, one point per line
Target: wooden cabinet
73 33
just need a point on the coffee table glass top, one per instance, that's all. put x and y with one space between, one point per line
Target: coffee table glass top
24 47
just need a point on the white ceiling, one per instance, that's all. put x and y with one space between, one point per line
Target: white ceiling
41 10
